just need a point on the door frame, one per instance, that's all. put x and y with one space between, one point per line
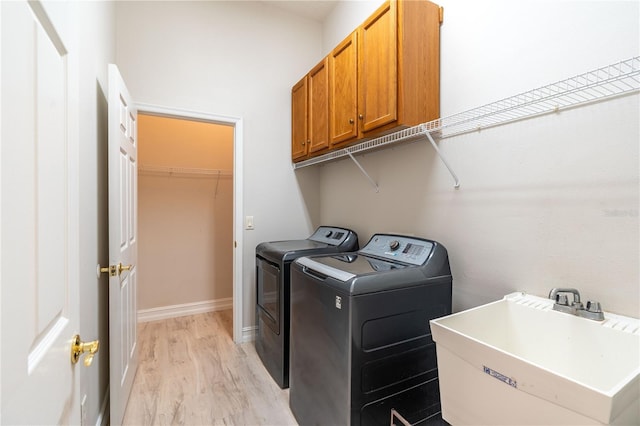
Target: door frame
236 122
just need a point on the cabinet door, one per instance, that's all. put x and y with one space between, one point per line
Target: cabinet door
343 93
299 120
318 122
378 68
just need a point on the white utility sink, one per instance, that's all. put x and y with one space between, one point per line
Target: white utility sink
517 361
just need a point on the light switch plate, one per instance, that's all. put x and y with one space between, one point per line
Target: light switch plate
248 222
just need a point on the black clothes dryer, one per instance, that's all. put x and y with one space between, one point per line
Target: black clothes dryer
360 337
273 262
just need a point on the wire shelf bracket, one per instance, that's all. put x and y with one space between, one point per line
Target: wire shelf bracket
456 184
364 172
618 79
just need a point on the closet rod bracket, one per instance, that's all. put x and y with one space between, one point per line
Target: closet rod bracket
427 134
217 182
364 172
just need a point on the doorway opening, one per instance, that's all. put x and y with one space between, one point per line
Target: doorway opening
192 181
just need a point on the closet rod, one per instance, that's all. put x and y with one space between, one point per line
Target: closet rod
184 171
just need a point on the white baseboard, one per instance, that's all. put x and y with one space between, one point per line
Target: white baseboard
174 311
249 333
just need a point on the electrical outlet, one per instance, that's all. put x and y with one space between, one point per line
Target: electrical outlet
248 222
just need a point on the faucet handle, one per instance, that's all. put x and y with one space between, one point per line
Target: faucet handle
593 306
562 299
593 311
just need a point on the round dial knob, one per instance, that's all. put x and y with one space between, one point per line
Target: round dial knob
328 234
394 245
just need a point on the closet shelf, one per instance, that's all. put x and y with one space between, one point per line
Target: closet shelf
183 172
593 86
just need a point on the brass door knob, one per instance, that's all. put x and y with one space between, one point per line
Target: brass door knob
114 270
78 347
123 268
111 270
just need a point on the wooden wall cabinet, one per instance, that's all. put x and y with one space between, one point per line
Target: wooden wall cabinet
378 51
299 120
318 120
310 113
386 74
343 87
364 76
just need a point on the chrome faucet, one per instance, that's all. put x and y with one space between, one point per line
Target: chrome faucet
559 296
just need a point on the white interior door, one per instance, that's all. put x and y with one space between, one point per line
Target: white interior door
39 201
123 243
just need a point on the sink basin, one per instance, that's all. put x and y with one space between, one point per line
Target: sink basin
517 361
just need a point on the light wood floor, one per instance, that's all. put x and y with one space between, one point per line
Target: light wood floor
192 373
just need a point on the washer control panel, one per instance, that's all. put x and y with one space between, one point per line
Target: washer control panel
399 248
330 235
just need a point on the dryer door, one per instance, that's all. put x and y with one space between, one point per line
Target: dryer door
268 292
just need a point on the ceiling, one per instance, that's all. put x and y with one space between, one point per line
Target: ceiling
312 9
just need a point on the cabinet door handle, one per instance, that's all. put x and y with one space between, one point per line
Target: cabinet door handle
361 117
303 143
351 121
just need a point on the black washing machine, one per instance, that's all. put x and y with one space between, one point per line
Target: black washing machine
360 337
273 262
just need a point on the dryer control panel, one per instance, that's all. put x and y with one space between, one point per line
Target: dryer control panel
330 235
414 251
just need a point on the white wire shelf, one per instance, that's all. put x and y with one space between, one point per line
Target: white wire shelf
183 172
593 86
603 83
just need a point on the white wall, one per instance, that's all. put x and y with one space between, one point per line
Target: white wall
344 19
186 238
97 49
546 202
237 59
185 252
